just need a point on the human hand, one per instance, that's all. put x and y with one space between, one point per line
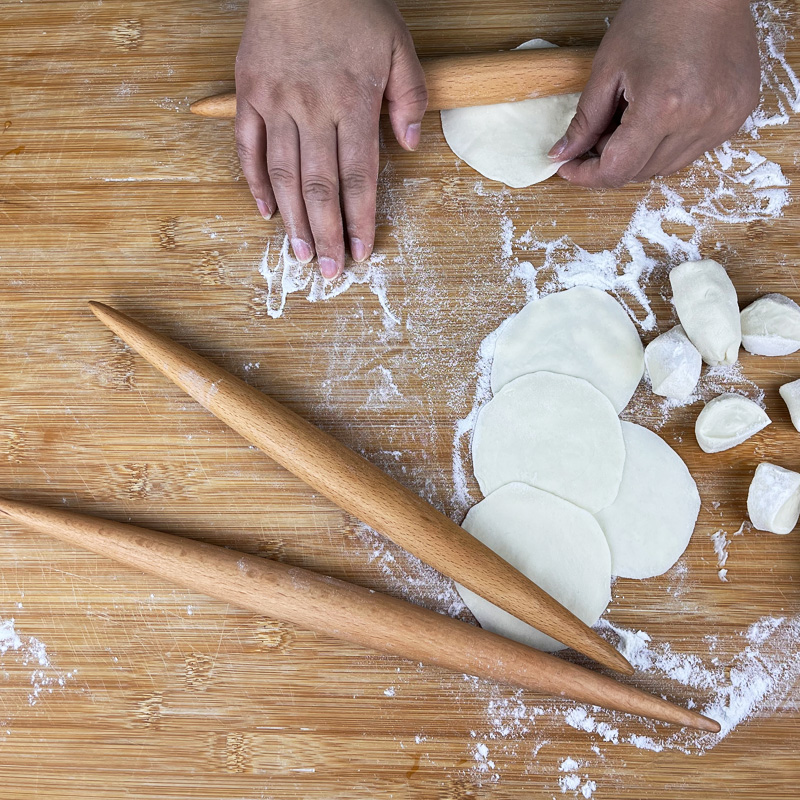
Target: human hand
310 78
671 80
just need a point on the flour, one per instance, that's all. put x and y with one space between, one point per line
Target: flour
25 651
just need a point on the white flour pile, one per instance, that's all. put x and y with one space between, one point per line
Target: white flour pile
731 676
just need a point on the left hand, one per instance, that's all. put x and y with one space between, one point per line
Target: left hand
671 80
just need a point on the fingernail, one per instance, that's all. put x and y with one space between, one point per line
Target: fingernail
558 148
264 209
412 135
302 250
358 250
328 267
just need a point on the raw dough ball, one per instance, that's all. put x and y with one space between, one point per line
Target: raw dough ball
673 364
581 332
728 420
773 501
509 142
553 432
650 523
559 546
708 310
790 392
771 326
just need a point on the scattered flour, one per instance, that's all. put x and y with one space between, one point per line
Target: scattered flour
27 651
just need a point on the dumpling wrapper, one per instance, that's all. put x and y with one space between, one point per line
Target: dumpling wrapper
771 326
727 421
708 309
673 364
559 546
509 142
554 432
790 392
773 500
582 332
650 523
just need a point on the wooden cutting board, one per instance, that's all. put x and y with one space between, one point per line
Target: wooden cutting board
115 684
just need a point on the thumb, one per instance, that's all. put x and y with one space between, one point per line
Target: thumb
596 108
406 94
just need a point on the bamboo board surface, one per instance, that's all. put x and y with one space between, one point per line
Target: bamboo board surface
121 685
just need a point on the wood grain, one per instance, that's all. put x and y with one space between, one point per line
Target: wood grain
110 189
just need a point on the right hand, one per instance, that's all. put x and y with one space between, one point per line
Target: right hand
310 78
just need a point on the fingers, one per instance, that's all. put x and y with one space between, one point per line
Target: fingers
319 179
358 177
406 94
283 164
251 143
596 108
624 156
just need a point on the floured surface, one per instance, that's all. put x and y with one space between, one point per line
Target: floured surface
145 208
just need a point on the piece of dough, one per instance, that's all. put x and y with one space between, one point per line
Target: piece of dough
727 421
771 326
509 142
790 392
673 364
554 432
581 332
705 300
650 523
773 501
559 546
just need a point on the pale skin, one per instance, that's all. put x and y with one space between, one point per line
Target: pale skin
671 80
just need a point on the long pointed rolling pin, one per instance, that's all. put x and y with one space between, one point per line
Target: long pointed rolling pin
345 611
360 488
476 79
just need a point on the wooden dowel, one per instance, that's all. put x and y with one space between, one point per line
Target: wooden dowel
345 611
360 488
476 79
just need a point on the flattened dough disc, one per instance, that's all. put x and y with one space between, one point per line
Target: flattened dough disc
650 523
509 142
581 332
557 545
554 432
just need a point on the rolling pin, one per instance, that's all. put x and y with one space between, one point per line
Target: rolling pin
476 79
345 611
360 488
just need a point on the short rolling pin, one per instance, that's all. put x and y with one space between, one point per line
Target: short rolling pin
360 488
345 611
476 79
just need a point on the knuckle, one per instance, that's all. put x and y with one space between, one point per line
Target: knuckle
320 189
283 176
416 95
357 181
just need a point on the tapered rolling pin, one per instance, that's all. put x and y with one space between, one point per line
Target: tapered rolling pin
345 611
476 79
360 488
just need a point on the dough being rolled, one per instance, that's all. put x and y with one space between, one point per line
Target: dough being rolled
705 300
581 332
553 432
509 142
727 421
771 326
790 392
773 501
650 523
559 546
673 364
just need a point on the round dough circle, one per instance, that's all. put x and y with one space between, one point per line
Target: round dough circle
581 332
554 432
509 142
650 523
559 546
